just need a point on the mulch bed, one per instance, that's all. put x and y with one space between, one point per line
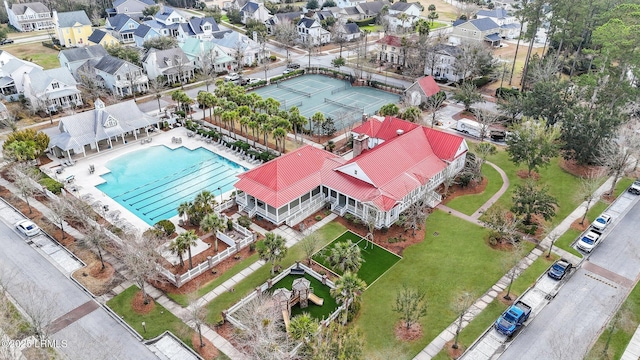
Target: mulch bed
457 190
572 167
403 334
138 305
463 115
524 174
208 351
454 353
580 227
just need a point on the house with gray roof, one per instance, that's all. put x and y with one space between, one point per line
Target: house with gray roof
12 72
371 8
72 59
240 46
403 15
278 18
31 16
172 64
482 30
119 76
311 30
349 31
254 10
509 26
440 63
197 28
52 89
132 8
143 33
98 129
122 25
168 16
348 3
344 14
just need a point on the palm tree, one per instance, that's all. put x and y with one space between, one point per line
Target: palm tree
272 105
212 223
316 119
345 257
280 135
348 287
266 130
253 125
177 247
244 124
184 209
272 249
201 98
217 112
411 114
188 239
303 327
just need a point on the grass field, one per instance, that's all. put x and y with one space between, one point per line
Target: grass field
453 257
468 204
377 260
36 53
157 320
322 291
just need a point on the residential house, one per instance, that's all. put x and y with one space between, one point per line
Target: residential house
441 62
390 50
349 31
12 71
421 90
348 3
310 30
198 28
31 16
254 11
98 129
509 26
73 28
52 89
344 14
72 59
482 30
402 15
371 8
395 164
132 8
99 37
168 16
172 64
240 47
122 25
144 33
119 76
291 17
207 56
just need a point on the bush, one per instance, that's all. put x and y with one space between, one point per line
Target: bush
503 92
365 22
252 247
242 145
52 185
244 221
166 226
229 224
318 217
272 58
481 81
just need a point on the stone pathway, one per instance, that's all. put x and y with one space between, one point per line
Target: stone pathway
433 348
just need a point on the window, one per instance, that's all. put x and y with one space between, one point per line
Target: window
130 26
79 31
55 85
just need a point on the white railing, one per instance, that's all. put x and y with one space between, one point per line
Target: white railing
316 203
225 205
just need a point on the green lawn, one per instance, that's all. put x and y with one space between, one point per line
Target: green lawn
43 56
629 314
326 234
322 291
456 259
377 260
157 320
468 204
371 28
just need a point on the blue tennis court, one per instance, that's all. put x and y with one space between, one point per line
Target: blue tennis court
152 182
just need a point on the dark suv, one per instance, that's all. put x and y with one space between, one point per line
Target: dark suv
6 41
293 66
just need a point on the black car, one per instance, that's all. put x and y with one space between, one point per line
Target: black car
560 269
293 66
6 41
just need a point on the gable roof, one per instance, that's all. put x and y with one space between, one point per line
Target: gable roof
428 85
40 79
290 16
96 36
372 7
168 54
351 28
390 40
401 6
118 21
37 7
483 24
498 13
250 7
194 26
164 12
111 64
306 22
69 19
146 2
232 40
351 10
450 50
84 53
143 30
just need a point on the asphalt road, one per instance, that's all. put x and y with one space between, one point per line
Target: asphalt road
83 329
567 327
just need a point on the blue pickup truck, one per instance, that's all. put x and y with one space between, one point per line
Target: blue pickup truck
513 318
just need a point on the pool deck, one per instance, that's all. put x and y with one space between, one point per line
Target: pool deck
85 183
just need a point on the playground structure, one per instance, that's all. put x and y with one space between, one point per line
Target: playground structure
301 294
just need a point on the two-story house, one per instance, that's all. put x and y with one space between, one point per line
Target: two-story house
371 8
348 3
344 14
254 11
348 31
119 76
122 25
240 47
207 56
509 26
402 15
166 21
279 18
99 37
310 30
144 33
197 28
440 63
390 50
482 30
132 8
51 90
29 16
73 28
72 59
12 72
172 64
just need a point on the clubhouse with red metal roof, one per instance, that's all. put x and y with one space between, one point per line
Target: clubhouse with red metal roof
395 163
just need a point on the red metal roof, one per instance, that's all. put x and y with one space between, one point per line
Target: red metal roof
428 85
390 40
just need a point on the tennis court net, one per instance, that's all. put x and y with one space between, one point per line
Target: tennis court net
340 89
356 108
294 90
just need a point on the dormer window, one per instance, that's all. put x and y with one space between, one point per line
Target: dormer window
55 85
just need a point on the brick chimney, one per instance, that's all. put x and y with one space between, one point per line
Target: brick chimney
360 144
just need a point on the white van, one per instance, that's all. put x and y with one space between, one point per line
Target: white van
470 127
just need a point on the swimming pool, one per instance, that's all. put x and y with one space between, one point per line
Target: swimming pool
152 182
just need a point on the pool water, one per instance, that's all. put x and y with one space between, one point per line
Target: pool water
152 182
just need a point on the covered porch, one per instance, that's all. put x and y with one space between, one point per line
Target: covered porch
292 213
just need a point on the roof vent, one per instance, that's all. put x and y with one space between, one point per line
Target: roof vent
399 132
